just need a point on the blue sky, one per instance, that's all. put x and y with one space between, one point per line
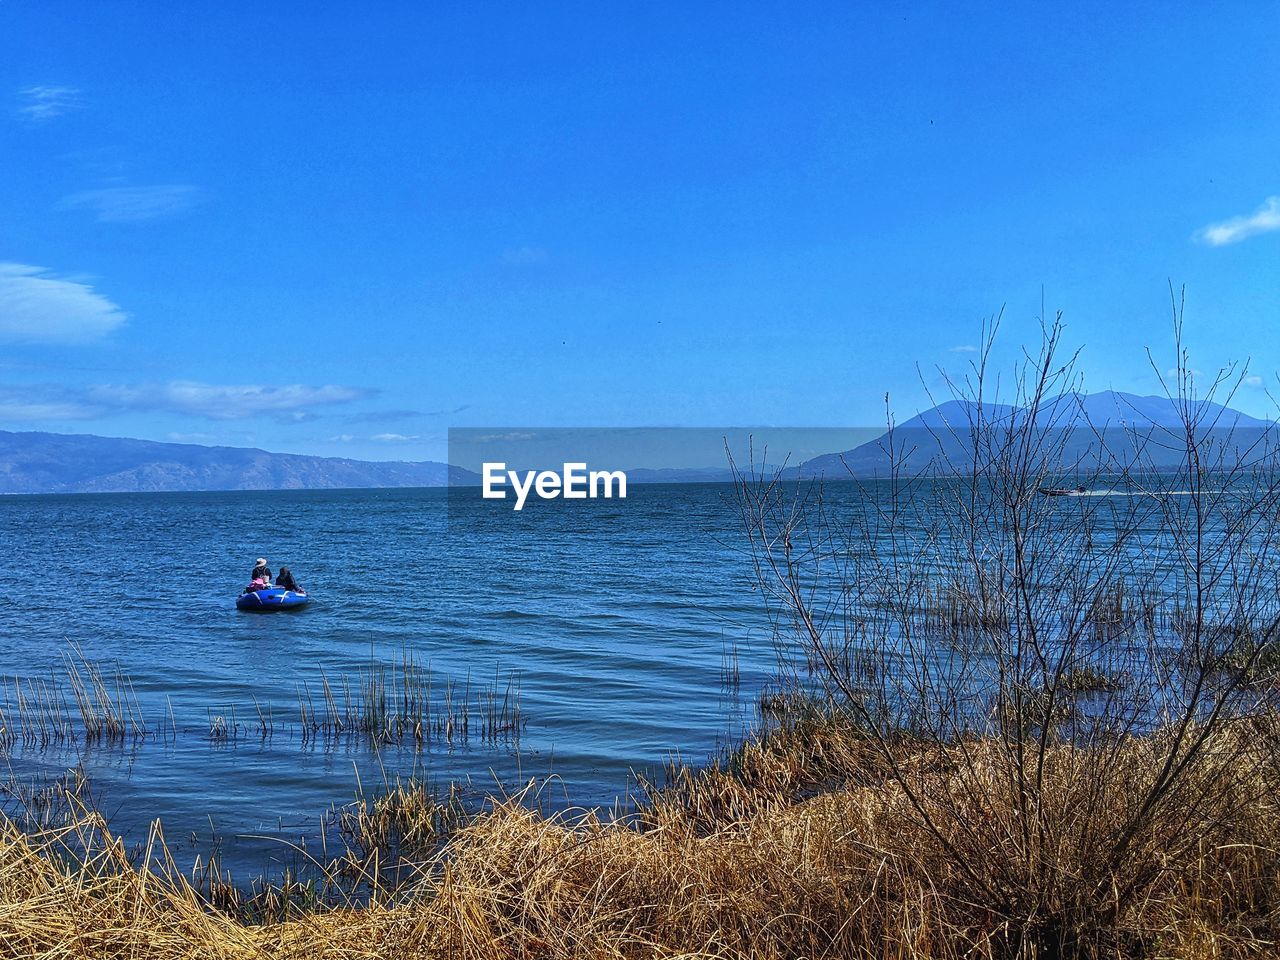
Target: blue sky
341 229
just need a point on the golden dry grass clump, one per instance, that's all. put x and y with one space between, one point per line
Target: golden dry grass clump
798 846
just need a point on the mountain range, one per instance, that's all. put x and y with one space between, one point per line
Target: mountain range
80 463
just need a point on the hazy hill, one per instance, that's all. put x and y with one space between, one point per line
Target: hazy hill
75 463
81 463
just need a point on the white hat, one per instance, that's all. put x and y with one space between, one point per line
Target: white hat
260 562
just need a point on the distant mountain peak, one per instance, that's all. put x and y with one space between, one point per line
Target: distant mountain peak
940 434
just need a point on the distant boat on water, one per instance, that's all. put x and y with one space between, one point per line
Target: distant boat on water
1063 491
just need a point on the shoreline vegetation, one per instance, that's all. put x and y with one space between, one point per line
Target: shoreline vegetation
799 843
383 702
1023 728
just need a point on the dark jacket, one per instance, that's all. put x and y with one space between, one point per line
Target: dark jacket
286 582
263 571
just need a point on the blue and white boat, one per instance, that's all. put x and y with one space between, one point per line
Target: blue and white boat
270 599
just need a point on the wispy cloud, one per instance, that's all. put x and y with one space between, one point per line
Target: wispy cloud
205 401
384 416
223 402
38 306
41 103
1263 220
133 204
390 416
964 348
1253 381
376 438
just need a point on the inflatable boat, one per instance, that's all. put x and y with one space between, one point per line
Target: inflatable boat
272 598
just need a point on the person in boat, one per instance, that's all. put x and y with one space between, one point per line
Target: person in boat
286 581
261 571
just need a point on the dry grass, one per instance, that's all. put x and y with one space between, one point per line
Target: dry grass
797 846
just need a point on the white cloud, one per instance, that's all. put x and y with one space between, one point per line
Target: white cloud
218 402
1253 381
1263 220
964 348
133 204
37 306
42 103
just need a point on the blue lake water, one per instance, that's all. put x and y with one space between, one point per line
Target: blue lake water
615 616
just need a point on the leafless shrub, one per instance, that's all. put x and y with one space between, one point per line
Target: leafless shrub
1024 642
